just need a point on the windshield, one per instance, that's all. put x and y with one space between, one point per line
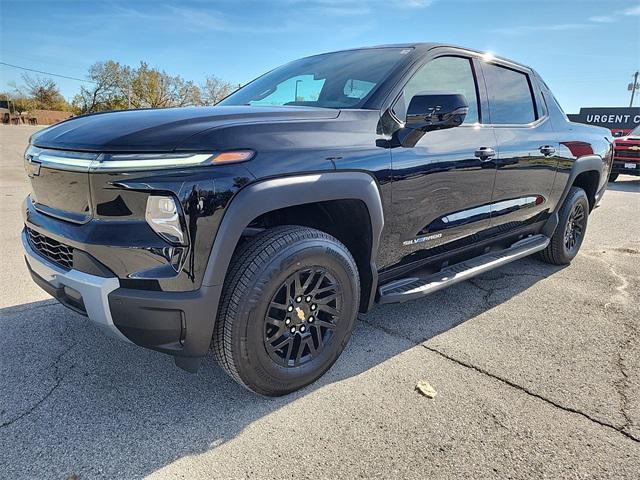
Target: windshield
635 132
332 80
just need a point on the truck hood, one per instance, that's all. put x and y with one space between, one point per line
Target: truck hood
161 130
628 138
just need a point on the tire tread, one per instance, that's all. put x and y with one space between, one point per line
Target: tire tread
554 253
246 263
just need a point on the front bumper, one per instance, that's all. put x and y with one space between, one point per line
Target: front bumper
84 293
626 167
177 323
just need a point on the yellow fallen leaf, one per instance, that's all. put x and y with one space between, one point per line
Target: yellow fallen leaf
426 389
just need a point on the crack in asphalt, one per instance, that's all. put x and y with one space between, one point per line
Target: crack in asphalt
622 384
488 292
57 381
493 288
504 380
623 298
532 393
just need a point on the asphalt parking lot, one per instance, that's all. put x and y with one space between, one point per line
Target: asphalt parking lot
537 370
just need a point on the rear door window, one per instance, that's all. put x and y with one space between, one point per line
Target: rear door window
510 96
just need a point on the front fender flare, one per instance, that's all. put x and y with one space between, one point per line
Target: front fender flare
268 195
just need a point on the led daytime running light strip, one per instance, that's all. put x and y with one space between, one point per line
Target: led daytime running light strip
110 162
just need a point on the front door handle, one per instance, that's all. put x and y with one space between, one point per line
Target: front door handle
485 153
547 150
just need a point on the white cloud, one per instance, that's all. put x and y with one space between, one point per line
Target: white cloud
414 3
341 10
354 7
632 11
525 29
601 19
616 15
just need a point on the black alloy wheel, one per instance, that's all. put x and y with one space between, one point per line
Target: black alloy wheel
575 228
570 232
302 317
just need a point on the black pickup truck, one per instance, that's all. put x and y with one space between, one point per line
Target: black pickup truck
262 226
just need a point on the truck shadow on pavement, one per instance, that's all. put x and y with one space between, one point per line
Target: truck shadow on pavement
632 186
74 401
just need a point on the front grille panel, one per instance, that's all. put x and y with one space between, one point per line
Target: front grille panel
628 153
57 252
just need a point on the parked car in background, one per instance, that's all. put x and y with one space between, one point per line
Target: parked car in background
262 226
626 158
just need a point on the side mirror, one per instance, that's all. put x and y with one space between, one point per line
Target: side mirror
429 111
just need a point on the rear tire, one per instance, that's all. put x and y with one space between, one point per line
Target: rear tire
613 177
289 303
572 226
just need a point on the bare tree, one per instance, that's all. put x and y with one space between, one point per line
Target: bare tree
155 88
119 86
214 90
106 91
40 92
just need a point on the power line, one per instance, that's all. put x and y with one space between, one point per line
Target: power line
47 73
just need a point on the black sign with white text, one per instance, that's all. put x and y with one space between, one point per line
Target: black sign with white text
623 118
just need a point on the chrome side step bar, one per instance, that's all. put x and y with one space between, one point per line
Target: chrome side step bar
407 289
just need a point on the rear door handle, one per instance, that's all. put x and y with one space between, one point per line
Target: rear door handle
485 153
547 150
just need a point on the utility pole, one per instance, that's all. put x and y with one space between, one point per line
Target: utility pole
296 93
9 107
633 87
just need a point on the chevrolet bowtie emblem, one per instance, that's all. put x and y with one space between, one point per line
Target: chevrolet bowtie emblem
32 167
300 314
635 147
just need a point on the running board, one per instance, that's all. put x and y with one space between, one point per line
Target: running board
407 289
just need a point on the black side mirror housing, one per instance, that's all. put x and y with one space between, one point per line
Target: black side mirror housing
429 111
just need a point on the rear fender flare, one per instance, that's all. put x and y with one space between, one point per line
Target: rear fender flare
588 163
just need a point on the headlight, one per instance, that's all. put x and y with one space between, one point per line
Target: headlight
163 217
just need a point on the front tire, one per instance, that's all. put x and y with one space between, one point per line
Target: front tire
572 226
289 303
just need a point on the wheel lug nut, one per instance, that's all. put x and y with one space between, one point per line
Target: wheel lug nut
302 328
313 307
310 319
287 321
308 299
293 330
290 308
298 299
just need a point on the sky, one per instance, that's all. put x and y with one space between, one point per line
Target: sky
585 50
